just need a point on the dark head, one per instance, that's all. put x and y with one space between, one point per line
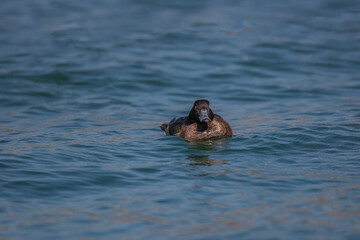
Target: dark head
201 112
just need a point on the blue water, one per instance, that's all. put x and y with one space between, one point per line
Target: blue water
84 87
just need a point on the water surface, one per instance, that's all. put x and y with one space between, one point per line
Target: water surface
85 86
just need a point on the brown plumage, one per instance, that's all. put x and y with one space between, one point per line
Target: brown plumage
200 124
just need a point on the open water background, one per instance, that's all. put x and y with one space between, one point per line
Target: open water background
85 85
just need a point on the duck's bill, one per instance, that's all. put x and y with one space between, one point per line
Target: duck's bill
204 116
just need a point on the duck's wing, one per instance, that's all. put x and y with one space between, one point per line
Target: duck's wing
165 126
175 125
170 125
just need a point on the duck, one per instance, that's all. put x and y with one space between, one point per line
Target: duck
200 124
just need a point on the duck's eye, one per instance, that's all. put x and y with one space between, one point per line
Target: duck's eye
195 107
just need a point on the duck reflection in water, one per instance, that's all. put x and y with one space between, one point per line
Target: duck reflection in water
204 160
203 147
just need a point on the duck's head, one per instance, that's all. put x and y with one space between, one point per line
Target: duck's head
201 112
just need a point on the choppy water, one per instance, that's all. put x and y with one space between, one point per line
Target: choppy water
84 87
